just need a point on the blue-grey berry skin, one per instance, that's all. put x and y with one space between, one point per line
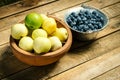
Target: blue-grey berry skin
74 14
74 27
85 20
99 25
96 26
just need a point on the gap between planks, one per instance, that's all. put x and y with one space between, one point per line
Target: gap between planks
25 9
17 8
108 75
92 68
50 7
7 32
77 57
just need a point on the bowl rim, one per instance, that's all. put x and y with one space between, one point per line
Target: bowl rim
48 54
88 7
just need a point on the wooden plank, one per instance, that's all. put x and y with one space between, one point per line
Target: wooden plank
5 51
60 15
51 8
77 57
17 8
110 11
112 26
4 36
102 4
59 68
93 68
113 74
114 9
7 22
9 63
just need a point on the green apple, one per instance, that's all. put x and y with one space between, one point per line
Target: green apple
19 30
55 42
26 43
39 33
33 20
49 25
41 45
61 33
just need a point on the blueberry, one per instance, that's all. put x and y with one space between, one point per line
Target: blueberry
102 20
82 16
98 16
72 17
86 12
80 27
79 18
69 20
86 28
80 13
81 22
74 14
99 25
91 21
84 19
96 26
74 27
94 13
91 26
89 16
82 30
73 23
86 22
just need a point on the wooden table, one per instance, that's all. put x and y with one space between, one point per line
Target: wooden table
99 60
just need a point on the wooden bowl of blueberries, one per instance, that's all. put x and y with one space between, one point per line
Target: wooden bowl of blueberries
85 22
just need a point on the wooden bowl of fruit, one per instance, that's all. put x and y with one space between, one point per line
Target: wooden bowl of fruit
85 22
40 43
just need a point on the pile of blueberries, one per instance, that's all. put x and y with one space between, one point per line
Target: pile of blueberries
85 20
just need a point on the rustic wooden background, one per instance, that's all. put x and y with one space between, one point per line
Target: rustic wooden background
98 60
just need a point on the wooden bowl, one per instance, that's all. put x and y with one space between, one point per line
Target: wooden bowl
44 59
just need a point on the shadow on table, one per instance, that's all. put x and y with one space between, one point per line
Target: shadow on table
12 69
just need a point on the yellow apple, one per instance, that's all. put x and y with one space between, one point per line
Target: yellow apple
55 42
61 33
44 17
39 33
49 25
19 30
26 43
41 45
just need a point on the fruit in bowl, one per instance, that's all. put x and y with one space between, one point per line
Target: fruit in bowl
38 47
86 22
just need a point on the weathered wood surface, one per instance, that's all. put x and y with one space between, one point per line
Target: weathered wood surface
77 57
93 68
107 44
51 8
113 74
17 7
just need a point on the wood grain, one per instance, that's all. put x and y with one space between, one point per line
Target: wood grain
92 68
60 15
113 74
76 56
51 8
110 11
107 44
18 7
